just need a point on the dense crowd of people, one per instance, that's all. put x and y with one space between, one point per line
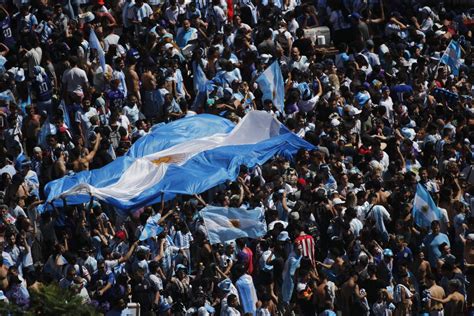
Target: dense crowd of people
383 112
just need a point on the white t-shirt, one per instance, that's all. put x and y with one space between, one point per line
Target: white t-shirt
111 39
388 104
34 56
133 113
74 79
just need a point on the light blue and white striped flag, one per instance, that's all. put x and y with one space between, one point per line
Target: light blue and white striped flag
424 208
151 228
199 84
187 156
95 44
226 223
272 86
67 119
452 57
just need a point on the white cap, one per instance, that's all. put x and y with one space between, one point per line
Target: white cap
283 236
337 201
408 133
300 287
352 110
20 75
168 46
335 122
426 10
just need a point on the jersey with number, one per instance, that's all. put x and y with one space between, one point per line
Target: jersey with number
115 99
6 33
43 89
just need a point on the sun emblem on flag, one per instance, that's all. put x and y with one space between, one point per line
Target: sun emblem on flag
235 223
170 159
425 208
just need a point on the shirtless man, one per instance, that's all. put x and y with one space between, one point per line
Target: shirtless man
81 163
421 267
454 302
436 292
132 80
31 127
350 290
325 289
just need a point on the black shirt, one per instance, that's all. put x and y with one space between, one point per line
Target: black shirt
372 287
144 293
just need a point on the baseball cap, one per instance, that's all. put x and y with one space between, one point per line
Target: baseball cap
335 122
408 133
355 15
283 236
133 54
225 285
295 216
387 252
300 287
352 110
20 75
120 235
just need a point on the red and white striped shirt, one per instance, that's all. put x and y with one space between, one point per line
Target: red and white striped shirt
307 244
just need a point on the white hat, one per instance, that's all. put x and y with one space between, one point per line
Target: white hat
283 236
295 216
168 46
335 122
337 201
352 110
20 75
426 10
272 224
408 133
436 56
265 58
300 287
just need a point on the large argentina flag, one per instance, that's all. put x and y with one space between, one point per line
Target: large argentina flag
187 156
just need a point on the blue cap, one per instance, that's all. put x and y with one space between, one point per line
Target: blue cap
355 15
387 252
362 98
133 53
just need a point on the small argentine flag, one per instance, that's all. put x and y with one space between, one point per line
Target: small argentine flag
151 228
226 223
424 208
95 44
272 86
452 57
